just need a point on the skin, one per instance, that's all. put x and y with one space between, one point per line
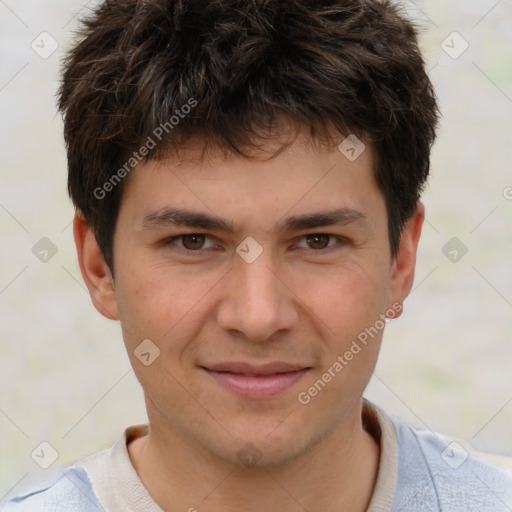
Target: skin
302 301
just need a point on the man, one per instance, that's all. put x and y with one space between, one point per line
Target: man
246 176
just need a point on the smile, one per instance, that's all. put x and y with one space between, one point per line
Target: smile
249 385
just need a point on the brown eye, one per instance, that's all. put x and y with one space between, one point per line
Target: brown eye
193 242
189 242
321 243
318 241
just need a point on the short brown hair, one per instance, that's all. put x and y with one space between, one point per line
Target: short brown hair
243 65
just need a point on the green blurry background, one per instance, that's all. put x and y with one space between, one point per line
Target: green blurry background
445 365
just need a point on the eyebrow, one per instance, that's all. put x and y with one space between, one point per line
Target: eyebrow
193 219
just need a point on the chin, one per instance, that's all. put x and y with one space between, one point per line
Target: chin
266 443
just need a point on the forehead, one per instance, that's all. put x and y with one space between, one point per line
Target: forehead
301 178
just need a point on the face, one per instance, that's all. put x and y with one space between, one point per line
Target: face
255 281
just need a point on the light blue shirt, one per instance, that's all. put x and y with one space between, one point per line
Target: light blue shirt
427 475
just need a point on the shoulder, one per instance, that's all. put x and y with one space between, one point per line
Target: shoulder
434 474
71 492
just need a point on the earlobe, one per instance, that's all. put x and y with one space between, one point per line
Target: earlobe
402 276
95 271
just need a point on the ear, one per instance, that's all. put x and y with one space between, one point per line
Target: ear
95 271
402 271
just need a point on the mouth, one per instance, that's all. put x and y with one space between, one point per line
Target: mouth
250 381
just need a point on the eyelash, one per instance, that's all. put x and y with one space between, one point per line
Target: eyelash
340 239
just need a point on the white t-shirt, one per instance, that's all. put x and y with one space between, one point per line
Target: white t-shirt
418 472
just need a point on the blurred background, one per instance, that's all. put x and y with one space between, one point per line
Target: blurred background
446 364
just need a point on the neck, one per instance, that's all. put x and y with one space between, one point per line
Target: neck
337 474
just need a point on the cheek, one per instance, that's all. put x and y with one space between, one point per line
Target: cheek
349 305
346 298
164 305
135 302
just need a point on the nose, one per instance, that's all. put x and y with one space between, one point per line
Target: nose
257 302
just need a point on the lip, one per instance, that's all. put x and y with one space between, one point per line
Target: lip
249 381
252 370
